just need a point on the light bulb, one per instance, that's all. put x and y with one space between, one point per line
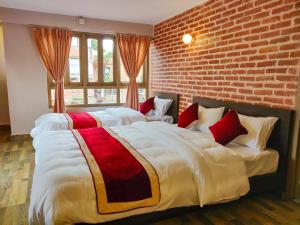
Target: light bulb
187 38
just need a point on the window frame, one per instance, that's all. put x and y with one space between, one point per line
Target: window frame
100 84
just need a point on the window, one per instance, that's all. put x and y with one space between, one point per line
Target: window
95 73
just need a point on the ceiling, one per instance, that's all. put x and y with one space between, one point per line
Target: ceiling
139 11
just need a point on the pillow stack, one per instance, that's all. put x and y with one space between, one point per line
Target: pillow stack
253 132
155 106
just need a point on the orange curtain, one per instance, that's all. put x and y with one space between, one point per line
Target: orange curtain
54 47
133 50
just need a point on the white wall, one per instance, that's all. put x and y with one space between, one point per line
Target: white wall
26 79
4 112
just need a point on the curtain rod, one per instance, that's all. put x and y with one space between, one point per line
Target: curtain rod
98 32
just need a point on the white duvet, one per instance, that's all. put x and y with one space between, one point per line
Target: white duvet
192 170
109 117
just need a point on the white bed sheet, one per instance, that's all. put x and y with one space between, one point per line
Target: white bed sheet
192 170
109 117
165 118
257 162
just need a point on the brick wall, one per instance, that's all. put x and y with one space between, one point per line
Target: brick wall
244 51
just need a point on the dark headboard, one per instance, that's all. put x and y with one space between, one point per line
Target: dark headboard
173 110
279 139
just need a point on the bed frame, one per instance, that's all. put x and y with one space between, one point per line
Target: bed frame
173 110
273 182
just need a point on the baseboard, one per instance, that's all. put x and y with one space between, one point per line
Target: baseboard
5 128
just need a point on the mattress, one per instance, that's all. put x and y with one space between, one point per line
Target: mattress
257 162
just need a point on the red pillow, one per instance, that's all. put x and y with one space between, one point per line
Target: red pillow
228 128
188 116
146 106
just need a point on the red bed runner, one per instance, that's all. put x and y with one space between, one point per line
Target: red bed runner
81 120
123 179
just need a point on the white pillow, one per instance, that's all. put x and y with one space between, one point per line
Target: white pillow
150 113
162 105
259 131
208 117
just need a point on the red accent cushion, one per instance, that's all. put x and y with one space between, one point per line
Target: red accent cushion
188 116
146 106
228 128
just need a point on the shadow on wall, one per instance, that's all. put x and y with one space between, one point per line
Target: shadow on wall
296 145
4 109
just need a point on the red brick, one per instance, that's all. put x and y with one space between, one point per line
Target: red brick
266 63
290 30
291 14
295 54
259 43
257 57
288 62
261 15
274 100
252 24
268 49
296 37
290 46
286 78
271 20
279 55
263 92
280 25
279 39
259 29
281 9
272 4
270 34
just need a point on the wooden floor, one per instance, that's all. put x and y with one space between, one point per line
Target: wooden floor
16 169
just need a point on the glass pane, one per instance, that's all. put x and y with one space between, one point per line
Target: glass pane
140 76
92 48
74 61
52 96
108 46
123 94
124 76
74 96
102 96
141 93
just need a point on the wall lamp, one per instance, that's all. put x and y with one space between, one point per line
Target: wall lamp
187 39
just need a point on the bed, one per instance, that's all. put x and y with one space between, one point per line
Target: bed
279 140
108 117
62 189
